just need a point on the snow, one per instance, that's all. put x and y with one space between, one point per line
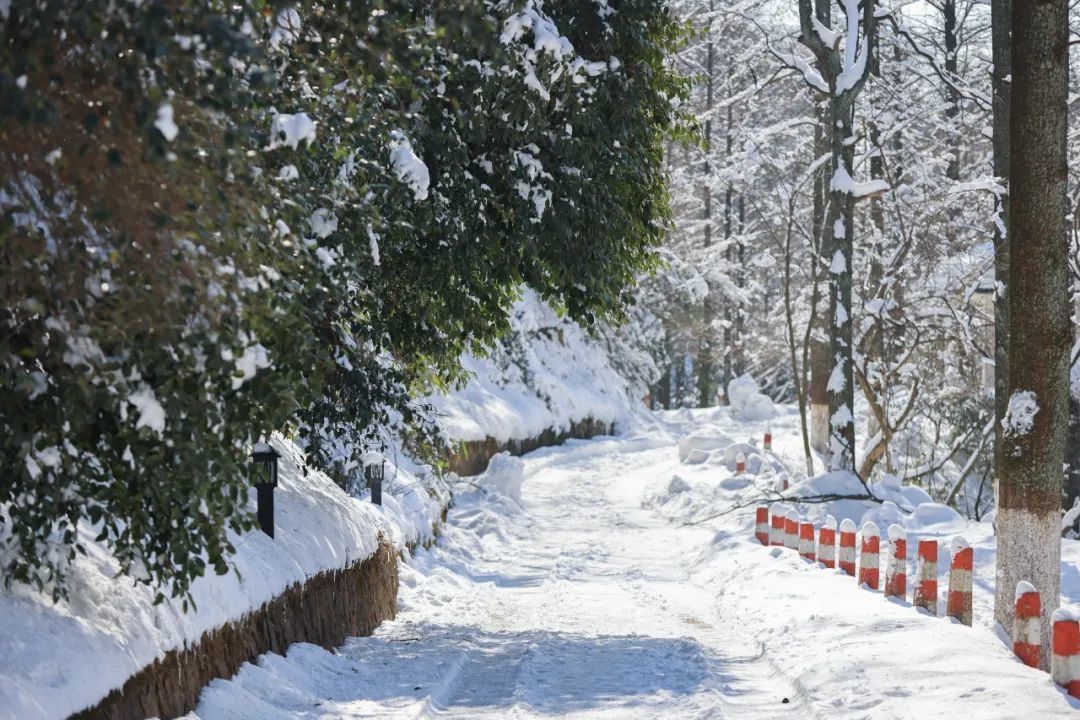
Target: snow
408 167
837 382
286 29
729 458
559 377
56 659
747 402
254 358
373 245
843 182
1065 614
291 130
810 74
703 439
896 533
504 475
870 529
323 222
164 122
1070 517
1020 416
847 525
151 413
593 599
1023 588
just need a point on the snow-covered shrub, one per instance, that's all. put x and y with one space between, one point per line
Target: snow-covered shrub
222 228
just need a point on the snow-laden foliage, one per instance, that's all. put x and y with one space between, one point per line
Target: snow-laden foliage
232 218
750 206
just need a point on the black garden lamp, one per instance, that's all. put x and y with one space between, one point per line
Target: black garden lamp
374 469
264 470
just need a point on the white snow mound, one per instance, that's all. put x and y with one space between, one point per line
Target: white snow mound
504 476
706 439
747 402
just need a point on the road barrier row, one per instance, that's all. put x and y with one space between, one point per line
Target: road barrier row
785 527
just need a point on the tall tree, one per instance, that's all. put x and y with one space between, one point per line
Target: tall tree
843 62
1000 19
1040 333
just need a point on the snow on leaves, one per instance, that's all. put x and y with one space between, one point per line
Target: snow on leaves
165 124
291 130
151 413
408 167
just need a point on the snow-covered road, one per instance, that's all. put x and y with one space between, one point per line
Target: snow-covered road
581 606
593 600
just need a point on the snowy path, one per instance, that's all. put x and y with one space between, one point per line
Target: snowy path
595 602
582 607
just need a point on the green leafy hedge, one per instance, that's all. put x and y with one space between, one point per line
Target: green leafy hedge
217 226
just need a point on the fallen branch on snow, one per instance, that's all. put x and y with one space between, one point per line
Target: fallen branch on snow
806 499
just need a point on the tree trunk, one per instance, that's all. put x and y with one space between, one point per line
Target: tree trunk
820 366
1040 332
1072 454
874 343
663 390
841 69
952 97
1001 14
705 345
840 222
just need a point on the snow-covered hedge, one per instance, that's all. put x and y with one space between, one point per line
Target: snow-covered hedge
547 374
56 659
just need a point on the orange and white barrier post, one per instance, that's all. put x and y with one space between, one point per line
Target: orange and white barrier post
826 548
847 547
740 464
959 603
791 530
926 590
1025 634
1065 651
869 554
767 444
776 525
761 525
806 540
896 568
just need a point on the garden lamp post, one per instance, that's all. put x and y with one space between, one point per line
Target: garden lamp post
374 468
265 473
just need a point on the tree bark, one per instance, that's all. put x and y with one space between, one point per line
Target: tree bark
704 365
841 387
820 356
1001 14
845 77
952 97
1040 332
1072 454
820 366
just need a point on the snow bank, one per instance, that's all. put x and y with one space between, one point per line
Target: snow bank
504 475
547 375
56 659
747 402
895 662
705 440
